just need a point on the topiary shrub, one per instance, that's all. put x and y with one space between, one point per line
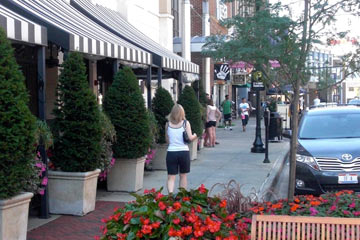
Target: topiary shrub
192 109
162 104
76 128
17 125
200 92
125 106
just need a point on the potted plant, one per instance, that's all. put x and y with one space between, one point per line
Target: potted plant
162 104
154 133
77 136
125 106
193 114
17 146
203 100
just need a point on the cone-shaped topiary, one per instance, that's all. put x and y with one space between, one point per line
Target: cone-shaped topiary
162 104
125 106
17 125
192 109
77 130
200 92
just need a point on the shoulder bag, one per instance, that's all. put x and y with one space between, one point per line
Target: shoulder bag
185 135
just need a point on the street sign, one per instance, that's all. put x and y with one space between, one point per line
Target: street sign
257 86
222 72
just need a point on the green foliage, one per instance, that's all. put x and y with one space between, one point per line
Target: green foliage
192 109
162 104
17 125
108 138
43 134
200 93
77 130
125 106
154 127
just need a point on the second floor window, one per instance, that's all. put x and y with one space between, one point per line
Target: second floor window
175 13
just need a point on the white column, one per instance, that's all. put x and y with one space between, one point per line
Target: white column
186 29
166 24
206 32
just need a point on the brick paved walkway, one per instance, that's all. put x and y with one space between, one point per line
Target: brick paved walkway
75 228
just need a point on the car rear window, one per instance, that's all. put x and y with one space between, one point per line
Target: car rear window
342 125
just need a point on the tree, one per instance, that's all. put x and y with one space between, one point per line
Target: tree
269 34
125 106
17 125
192 109
77 129
162 104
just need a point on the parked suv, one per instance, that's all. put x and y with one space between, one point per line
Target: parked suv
328 155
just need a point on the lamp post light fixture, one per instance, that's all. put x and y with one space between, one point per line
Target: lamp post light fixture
257 85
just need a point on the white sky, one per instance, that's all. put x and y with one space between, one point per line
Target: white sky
344 22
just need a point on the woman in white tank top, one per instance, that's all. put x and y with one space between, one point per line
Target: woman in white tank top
178 157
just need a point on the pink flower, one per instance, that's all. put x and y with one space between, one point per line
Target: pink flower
41 191
333 208
313 211
44 182
357 213
38 154
346 212
38 165
112 161
352 205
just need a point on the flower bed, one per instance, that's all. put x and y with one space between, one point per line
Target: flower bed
194 215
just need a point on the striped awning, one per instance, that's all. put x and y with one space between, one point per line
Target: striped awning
21 29
112 21
73 31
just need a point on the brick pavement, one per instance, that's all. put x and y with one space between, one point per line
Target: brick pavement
75 228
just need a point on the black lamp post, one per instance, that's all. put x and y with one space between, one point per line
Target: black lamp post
257 85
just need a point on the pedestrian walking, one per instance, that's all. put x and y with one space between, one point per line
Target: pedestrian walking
244 108
226 105
178 156
212 117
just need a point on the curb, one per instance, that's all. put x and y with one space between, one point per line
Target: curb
266 192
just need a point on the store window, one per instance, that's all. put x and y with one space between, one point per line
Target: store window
175 13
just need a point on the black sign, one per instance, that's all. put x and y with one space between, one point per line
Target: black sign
222 72
257 86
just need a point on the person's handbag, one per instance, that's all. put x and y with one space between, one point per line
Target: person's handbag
185 135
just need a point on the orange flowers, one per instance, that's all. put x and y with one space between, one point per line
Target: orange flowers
315 203
294 207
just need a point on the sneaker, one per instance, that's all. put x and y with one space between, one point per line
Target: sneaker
225 127
230 128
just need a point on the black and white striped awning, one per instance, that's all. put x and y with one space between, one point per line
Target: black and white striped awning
73 31
112 21
21 29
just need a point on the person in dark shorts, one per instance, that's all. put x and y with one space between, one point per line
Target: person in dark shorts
212 116
226 105
178 156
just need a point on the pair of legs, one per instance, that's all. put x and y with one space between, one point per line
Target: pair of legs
207 137
171 182
227 121
245 122
177 161
212 131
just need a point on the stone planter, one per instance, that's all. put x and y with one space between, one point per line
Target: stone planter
14 217
72 193
193 149
201 145
159 161
126 175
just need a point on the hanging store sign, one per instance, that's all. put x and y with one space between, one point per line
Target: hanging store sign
222 72
257 86
238 79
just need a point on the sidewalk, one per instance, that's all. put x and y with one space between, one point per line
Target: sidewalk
230 160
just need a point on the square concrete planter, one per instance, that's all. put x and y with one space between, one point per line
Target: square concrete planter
126 175
14 217
193 150
159 161
72 193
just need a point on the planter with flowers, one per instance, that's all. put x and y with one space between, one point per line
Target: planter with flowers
192 109
186 215
124 104
162 104
76 154
18 171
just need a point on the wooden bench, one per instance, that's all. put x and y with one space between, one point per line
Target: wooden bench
271 227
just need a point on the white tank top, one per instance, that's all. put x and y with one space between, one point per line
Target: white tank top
176 141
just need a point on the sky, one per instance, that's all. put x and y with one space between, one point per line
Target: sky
344 22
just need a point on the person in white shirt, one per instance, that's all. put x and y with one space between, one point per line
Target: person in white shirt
178 156
316 101
244 109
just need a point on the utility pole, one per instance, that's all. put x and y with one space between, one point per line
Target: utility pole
295 113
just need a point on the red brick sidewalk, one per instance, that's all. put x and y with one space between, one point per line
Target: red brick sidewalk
75 228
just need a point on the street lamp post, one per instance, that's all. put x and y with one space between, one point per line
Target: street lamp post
257 85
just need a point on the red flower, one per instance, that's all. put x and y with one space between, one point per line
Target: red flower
230 218
202 189
158 196
198 209
186 230
176 221
116 216
144 221
169 210
146 191
177 205
128 216
185 199
146 229
162 206
198 233
139 234
121 236
223 204
155 225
